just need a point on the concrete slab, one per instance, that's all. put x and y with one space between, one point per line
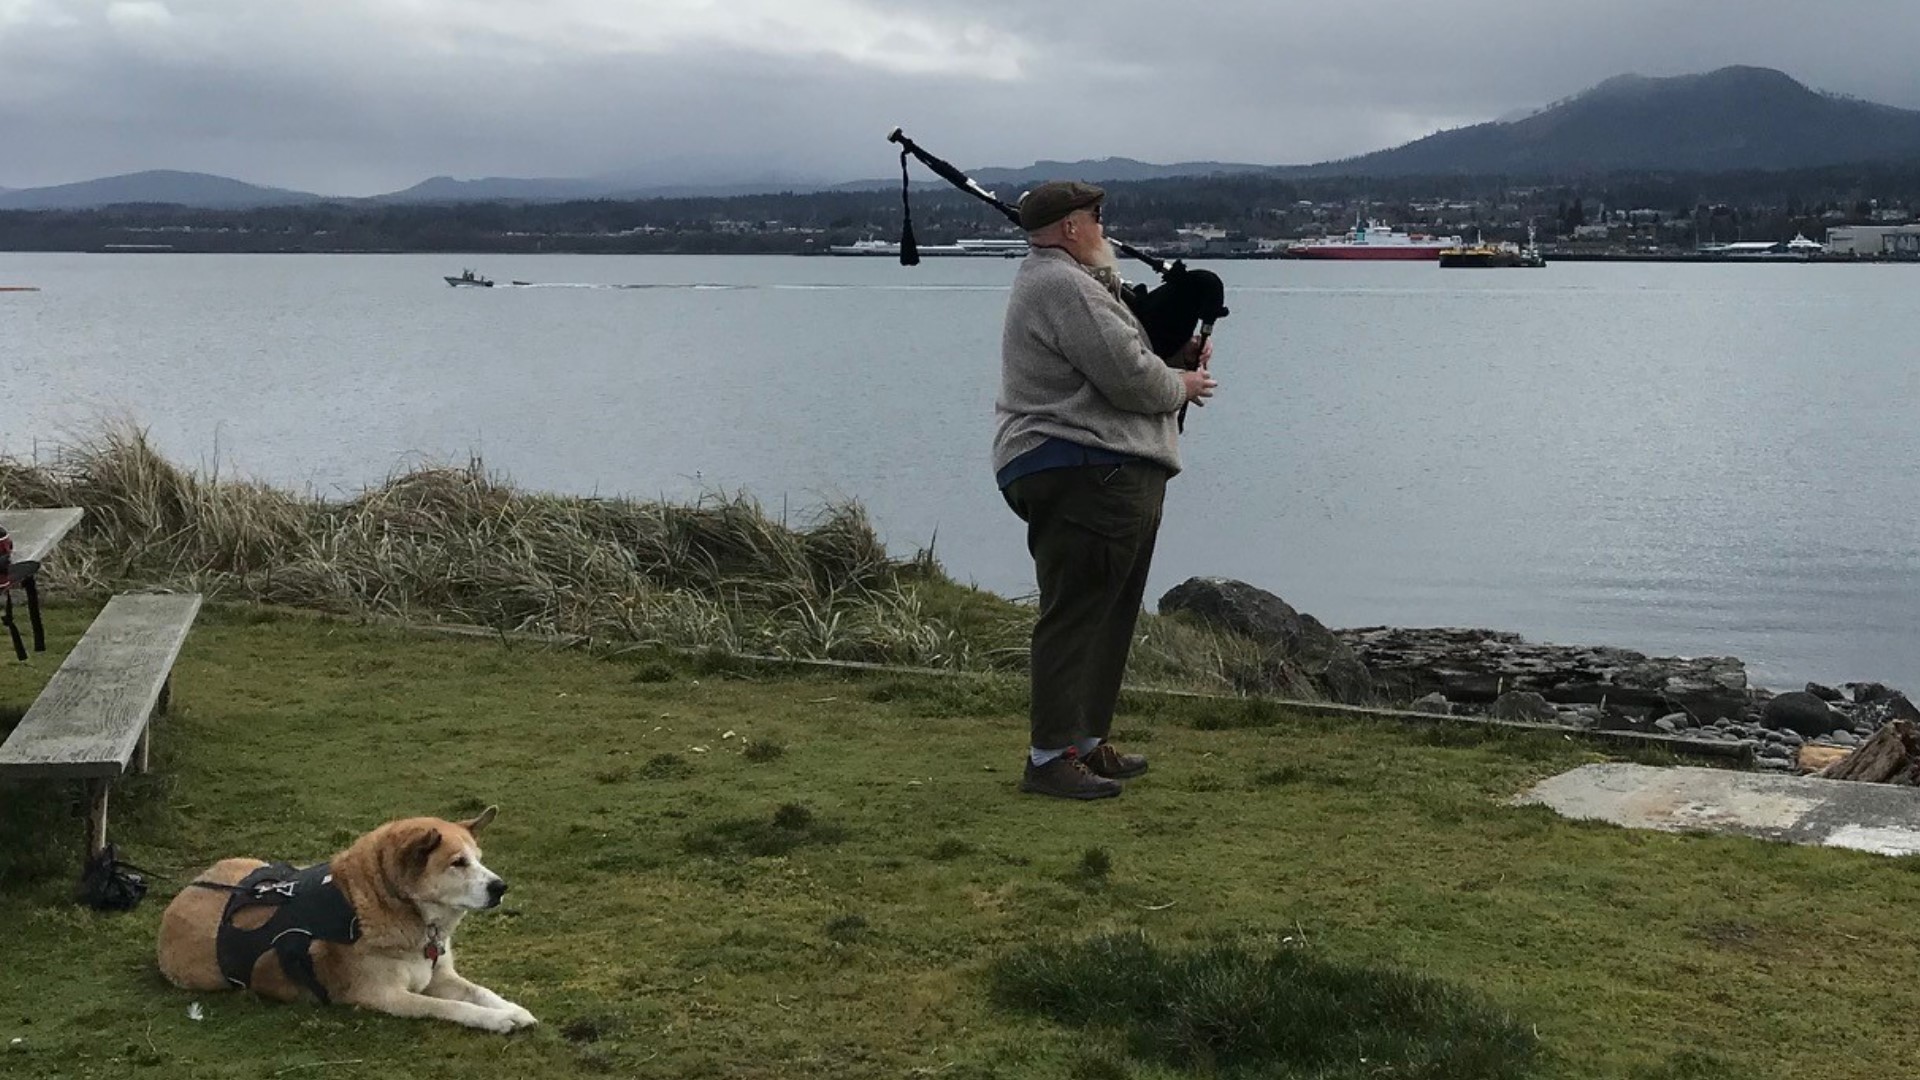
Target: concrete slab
1881 818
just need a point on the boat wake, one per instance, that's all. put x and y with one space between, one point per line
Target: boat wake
795 287
616 285
780 287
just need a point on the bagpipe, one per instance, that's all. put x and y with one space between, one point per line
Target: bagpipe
1170 311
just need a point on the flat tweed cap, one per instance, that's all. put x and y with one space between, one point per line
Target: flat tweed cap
1054 200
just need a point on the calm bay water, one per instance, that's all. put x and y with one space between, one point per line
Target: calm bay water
1679 459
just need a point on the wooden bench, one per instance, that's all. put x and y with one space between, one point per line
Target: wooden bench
34 534
92 719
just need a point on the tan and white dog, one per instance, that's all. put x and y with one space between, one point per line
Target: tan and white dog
402 888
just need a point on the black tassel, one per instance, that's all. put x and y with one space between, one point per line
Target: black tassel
909 251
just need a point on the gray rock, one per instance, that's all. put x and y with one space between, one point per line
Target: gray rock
1478 666
1347 681
1802 712
1866 693
1679 720
1292 639
1665 725
1433 703
1899 708
1521 705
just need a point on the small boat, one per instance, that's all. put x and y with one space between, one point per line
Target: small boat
468 277
865 247
1799 249
991 248
1531 255
19 288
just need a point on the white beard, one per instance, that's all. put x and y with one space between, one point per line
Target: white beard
1104 265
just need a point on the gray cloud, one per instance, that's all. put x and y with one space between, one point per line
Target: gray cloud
361 96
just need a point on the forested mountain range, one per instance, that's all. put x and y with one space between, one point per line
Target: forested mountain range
1749 204
1731 120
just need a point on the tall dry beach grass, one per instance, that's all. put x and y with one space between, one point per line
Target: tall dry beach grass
463 546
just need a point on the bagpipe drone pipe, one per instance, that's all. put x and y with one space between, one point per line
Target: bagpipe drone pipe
1185 299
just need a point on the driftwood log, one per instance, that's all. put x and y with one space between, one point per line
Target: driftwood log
1814 758
1892 756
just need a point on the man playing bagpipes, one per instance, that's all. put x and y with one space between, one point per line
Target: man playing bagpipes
1095 379
1087 435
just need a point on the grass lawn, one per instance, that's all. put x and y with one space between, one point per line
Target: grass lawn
763 874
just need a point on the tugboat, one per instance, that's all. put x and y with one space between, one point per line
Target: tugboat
468 277
1531 254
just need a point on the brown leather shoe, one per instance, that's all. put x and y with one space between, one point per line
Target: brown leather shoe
1067 777
1114 765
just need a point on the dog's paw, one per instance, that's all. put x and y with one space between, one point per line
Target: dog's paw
498 1021
504 1021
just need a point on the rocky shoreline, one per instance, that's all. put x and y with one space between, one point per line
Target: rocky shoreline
1470 672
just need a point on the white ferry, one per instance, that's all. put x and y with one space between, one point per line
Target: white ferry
980 248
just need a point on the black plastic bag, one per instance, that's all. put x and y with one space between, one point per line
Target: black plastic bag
107 884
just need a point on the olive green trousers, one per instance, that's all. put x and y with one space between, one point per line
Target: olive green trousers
1090 530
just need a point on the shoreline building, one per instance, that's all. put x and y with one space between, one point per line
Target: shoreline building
1874 240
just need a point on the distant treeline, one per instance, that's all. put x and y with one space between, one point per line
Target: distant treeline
1255 205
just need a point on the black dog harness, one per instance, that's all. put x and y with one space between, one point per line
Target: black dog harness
309 907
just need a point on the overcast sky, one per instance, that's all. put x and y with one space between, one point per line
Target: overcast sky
356 97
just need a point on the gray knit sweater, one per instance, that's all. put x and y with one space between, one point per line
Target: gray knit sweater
1075 363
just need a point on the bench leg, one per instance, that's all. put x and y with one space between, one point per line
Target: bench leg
145 749
97 816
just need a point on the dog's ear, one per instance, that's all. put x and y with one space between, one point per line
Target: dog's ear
480 822
419 847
